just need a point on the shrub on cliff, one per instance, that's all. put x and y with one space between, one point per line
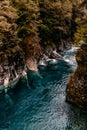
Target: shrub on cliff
28 23
81 33
9 41
59 20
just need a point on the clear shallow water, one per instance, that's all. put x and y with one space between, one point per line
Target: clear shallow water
42 106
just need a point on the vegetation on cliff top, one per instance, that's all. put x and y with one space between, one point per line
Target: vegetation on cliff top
29 23
9 41
81 32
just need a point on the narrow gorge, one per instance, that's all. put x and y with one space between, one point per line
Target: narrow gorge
43 64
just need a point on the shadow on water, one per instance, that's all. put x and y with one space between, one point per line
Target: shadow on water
41 105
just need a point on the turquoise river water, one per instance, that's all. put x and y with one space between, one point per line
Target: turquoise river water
42 105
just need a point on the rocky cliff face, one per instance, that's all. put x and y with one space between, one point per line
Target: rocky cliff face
19 38
11 54
77 87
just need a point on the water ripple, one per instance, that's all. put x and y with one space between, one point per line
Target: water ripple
43 108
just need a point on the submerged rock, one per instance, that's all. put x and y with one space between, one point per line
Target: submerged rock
76 91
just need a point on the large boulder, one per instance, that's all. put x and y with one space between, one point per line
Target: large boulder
76 91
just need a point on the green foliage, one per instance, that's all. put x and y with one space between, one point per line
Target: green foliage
45 33
28 23
56 17
81 34
60 20
42 21
24 32
9 41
